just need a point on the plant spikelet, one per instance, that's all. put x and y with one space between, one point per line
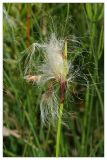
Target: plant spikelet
54 68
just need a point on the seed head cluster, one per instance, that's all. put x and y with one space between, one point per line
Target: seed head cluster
54 69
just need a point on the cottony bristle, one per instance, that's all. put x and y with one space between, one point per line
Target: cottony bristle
54 63
54 56
49 108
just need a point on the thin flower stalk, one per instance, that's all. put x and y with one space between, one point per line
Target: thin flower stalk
63 91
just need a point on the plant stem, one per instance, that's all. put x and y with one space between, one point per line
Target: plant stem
63 91
59 129
83 138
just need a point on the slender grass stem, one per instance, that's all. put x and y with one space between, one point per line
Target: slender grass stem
98 94
83 139
59 130
63 91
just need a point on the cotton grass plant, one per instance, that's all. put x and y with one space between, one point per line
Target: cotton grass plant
54 70
81 135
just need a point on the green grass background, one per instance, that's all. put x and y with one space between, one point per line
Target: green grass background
81 135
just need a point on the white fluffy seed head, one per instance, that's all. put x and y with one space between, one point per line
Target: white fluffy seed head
54 61
49 108
53 66
54 56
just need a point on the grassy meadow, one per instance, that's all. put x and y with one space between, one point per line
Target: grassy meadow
82 128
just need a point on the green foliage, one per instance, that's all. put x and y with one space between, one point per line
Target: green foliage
83 128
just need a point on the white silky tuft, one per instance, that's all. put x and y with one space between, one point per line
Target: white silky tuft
49 108
52 68
53 65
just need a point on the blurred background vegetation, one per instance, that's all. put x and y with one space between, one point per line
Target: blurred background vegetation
83 132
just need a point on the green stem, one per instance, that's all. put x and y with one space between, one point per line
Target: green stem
83 138
98 94
59 129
